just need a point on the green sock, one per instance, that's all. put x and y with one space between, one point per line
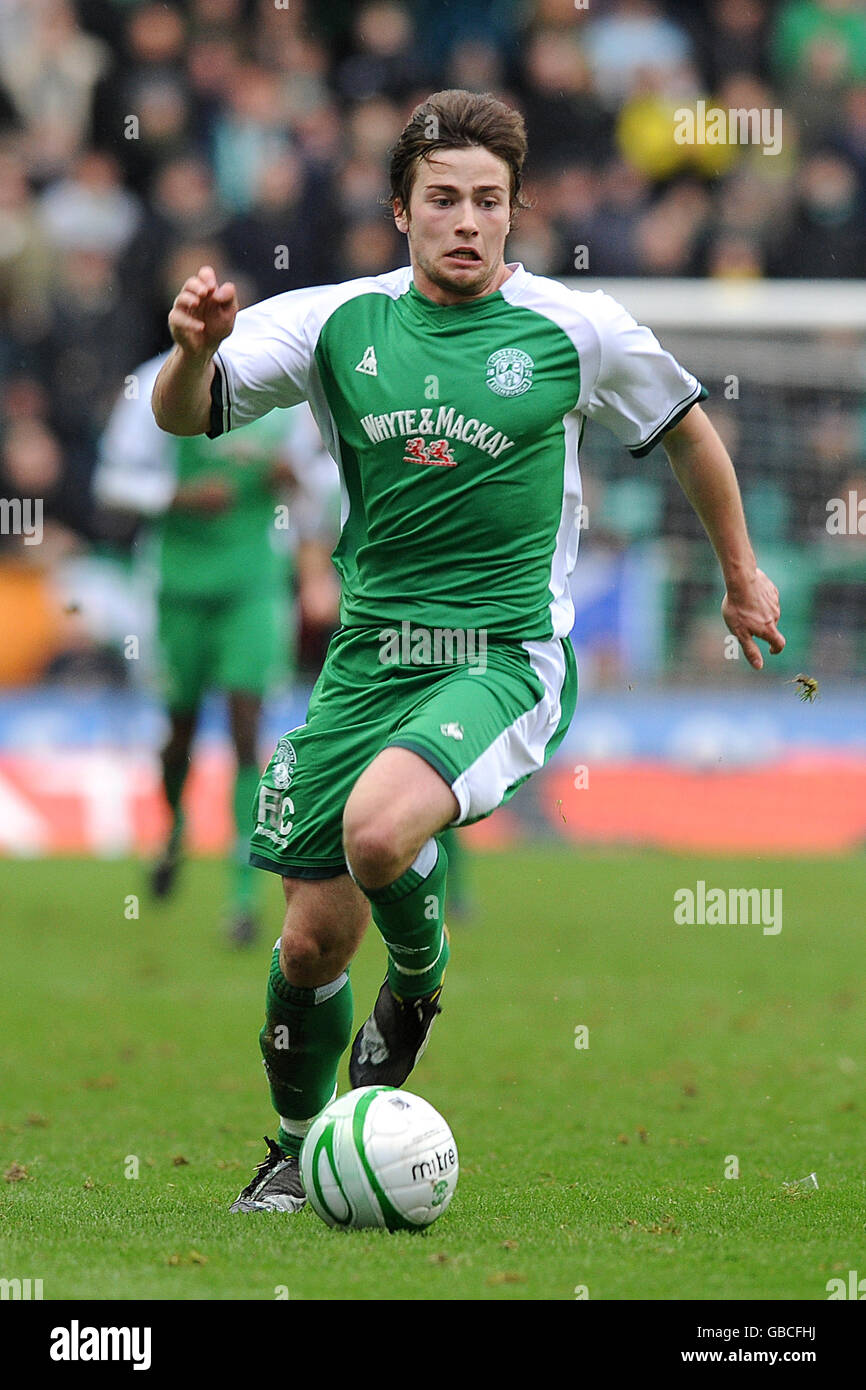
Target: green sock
305 1034
410 914
245 877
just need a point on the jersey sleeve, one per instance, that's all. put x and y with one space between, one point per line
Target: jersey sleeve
639 390
136 469
266 359
316 504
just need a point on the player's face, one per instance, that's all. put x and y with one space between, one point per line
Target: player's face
458 218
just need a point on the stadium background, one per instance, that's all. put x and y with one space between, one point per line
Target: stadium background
602 1067
139 140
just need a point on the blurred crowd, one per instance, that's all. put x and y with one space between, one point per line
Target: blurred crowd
138 140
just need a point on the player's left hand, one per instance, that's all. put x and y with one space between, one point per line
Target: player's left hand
751 609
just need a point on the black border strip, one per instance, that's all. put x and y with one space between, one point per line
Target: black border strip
332 870
220 405
641 450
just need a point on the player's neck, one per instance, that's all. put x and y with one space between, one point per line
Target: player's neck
443 296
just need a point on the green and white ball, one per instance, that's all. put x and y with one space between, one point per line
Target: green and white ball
379 1157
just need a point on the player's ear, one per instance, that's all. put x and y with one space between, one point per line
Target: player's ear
401 216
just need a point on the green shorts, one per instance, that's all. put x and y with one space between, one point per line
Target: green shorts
484 726
230 644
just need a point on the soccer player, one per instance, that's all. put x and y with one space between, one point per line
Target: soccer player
452 393
222 586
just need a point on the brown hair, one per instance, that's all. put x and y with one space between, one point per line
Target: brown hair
455 119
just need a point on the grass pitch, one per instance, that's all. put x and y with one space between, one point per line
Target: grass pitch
130 1046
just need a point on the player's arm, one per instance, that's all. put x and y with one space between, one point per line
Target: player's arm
231 367
318 584
643 395
283 475
706 475
202 316
316 517
135 476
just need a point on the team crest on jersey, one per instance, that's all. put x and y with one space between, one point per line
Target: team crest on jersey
283 769
509 372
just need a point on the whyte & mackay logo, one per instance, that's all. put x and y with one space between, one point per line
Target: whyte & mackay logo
427 430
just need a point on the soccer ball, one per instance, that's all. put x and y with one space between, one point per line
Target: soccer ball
379 1157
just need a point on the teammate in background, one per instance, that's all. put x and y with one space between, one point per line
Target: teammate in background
221 512
453 393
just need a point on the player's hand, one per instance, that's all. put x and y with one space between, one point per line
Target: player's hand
751 609
206 496
203 313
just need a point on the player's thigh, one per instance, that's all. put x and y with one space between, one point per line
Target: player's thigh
186 649
304 788
248 640
395 806
486 731
476 735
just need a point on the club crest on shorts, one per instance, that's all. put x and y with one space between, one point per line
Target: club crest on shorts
283 767
509 372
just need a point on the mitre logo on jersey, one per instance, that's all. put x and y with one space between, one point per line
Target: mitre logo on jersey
509 372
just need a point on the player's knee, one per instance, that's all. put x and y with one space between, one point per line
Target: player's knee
308 957
372 847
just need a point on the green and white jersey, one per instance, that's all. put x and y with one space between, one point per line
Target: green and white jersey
456 431
245 547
